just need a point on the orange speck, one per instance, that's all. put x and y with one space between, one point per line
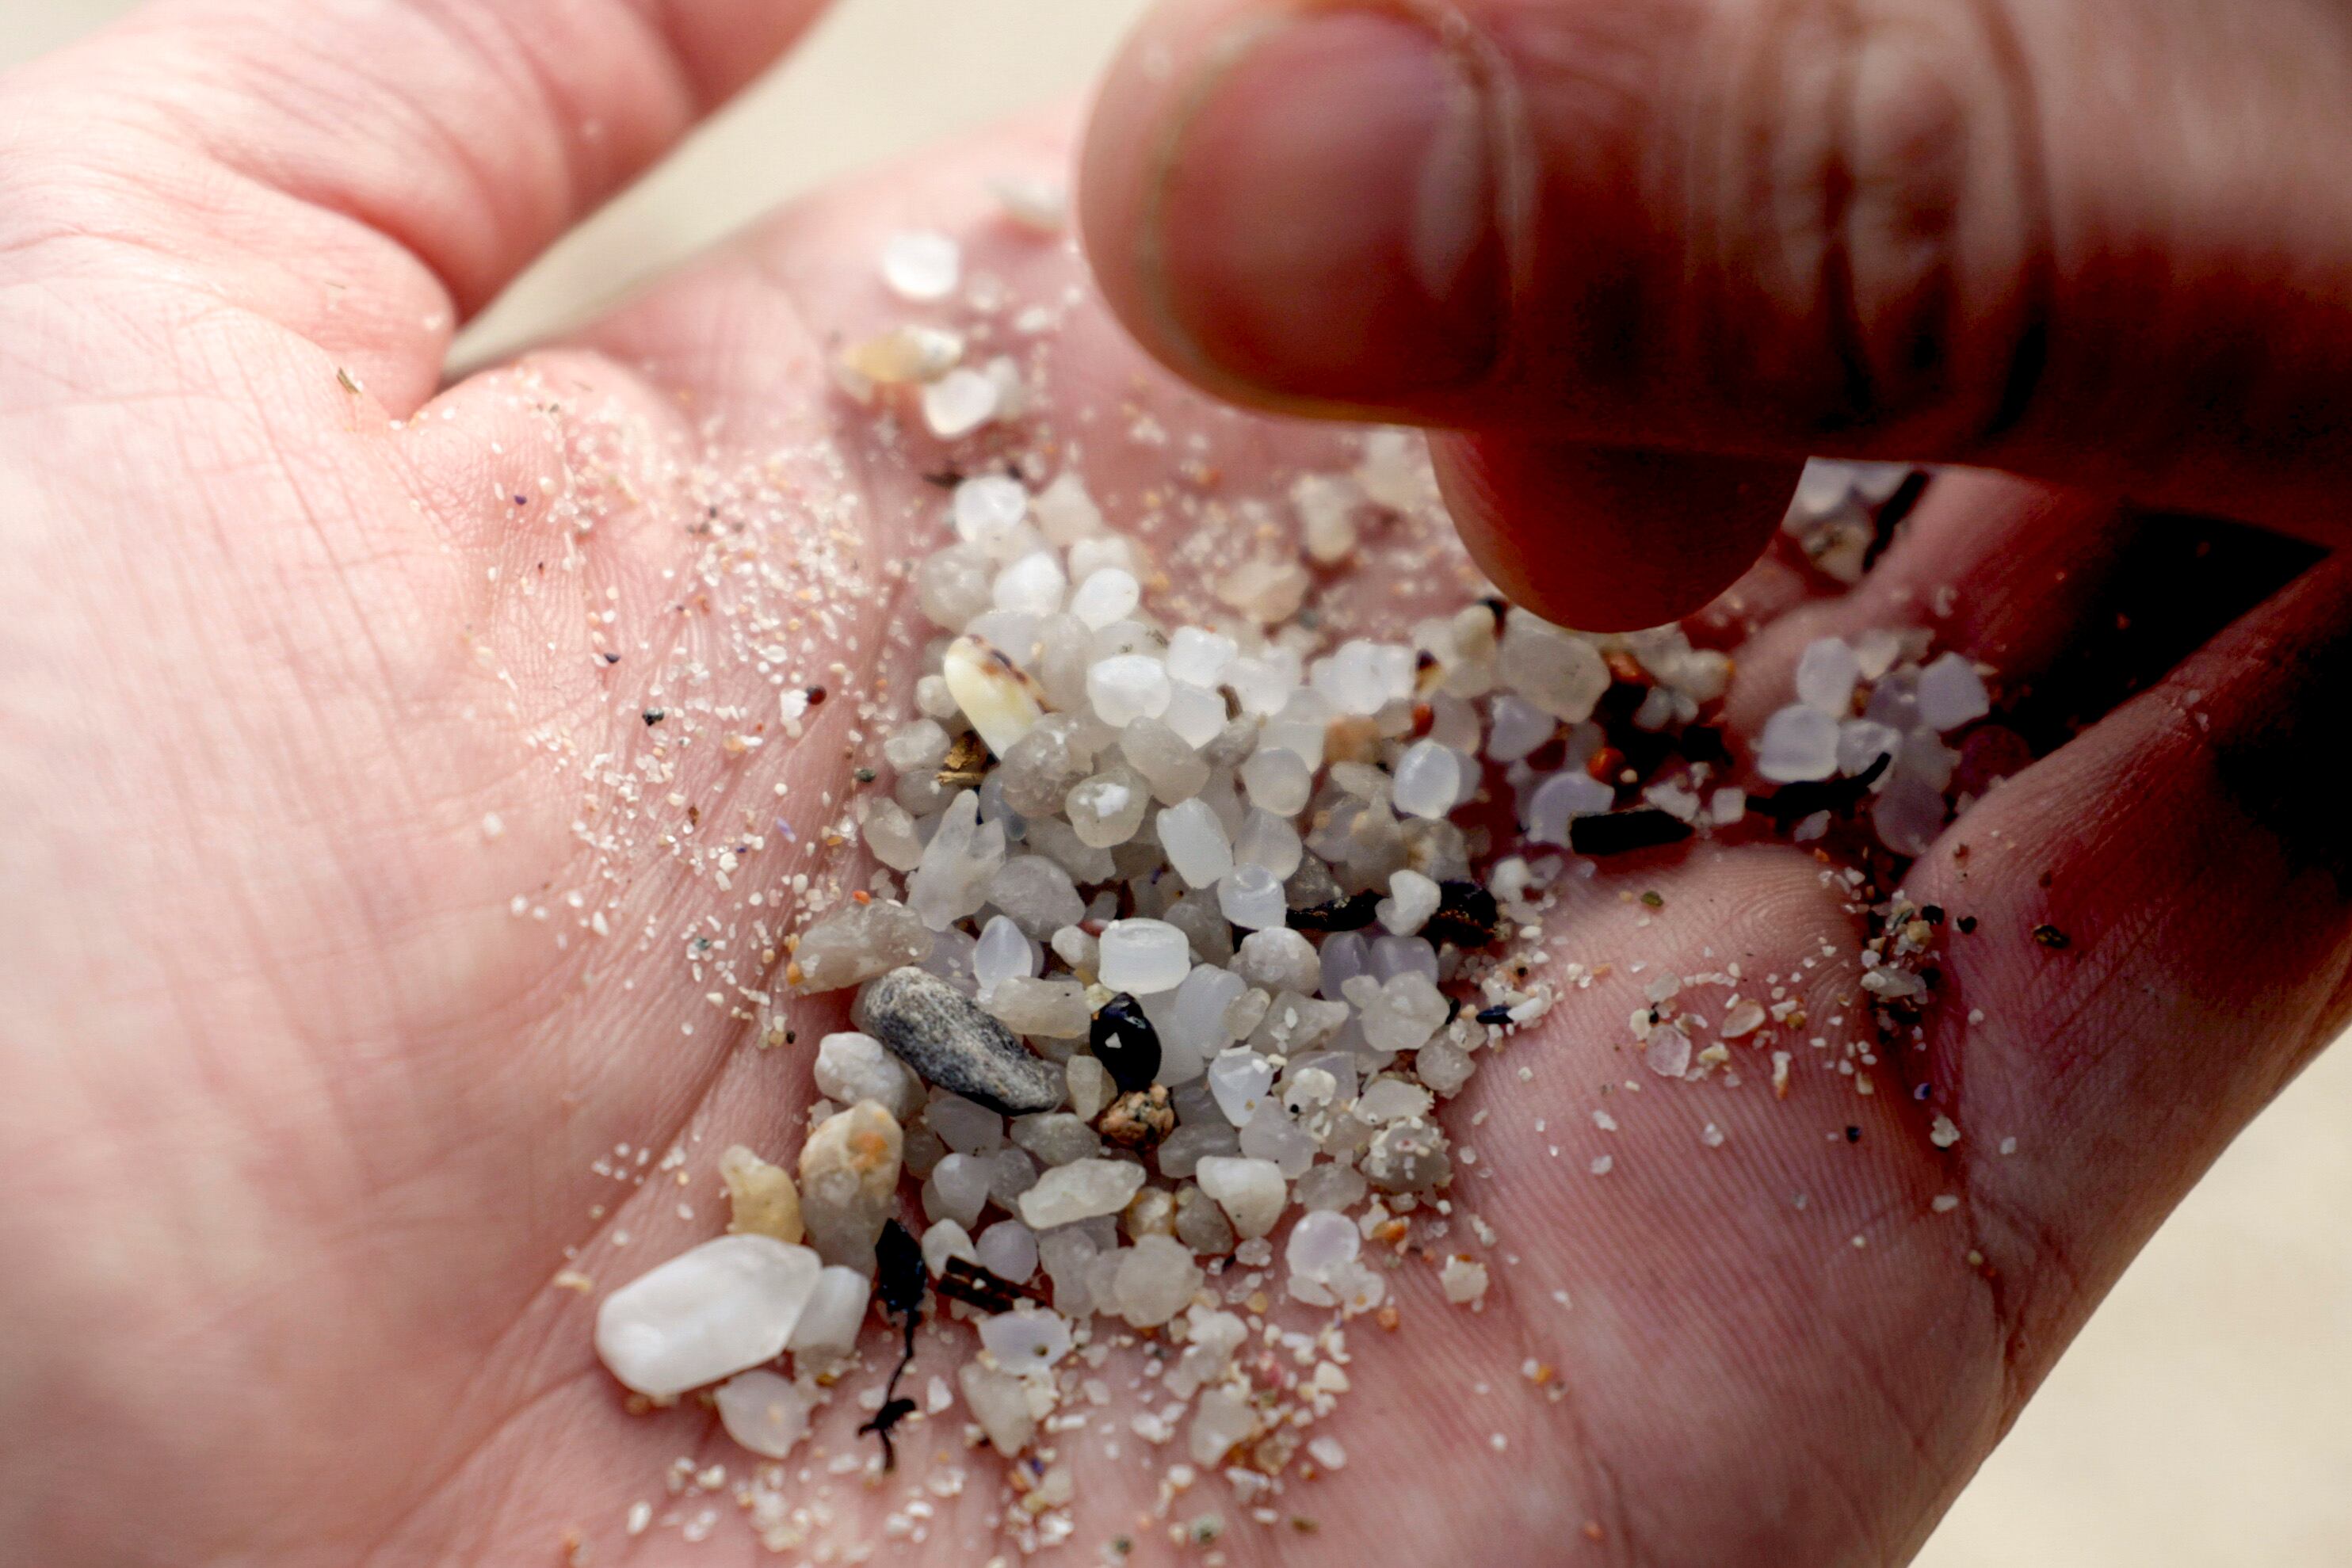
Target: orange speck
861 896
1605 763
1387 1318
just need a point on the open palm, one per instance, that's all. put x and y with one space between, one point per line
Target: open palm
373 948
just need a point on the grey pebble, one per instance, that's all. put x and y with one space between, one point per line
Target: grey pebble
945 1037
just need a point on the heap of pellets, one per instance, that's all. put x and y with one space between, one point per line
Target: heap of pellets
1178 938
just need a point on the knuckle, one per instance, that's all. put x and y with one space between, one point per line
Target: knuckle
1891 196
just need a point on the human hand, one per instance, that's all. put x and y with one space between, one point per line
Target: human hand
1638 257
302 1121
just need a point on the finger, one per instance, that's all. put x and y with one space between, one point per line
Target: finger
2005 570
1543 520
2179 582
1902 226
2074 601
370 174
2162 918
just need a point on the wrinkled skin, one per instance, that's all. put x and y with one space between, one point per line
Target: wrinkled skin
299 1119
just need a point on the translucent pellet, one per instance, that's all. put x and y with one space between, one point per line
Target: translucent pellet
1862 742
963 854
1195 714
1143 956
1412 899
966 1127
1270 841
1263 683
1278 782
922 265
1250 897
1106 810
1155 1279
1196 842
1007 1249
1240 1082
1360 676
1519 727
890 835
1826 673
1271 1134
765 1413
1428 780
1104 552
1555 671
1038 894
1799 743
1327 505
1951 694
1033 585
1330 1187
1344 956
1251 1191
1562 798
1199 656
1278 959
959 404
1043 205
1025 1337
1301 728
957 1189
1106 596
1392 955
1908 815
1320 1242
1926 758
986 506
1166 759
953 586
1002 953
946 1240
1125 687
1194 1024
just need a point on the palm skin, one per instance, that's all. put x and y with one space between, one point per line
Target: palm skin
302 1119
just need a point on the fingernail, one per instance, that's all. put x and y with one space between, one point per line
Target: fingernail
1328 222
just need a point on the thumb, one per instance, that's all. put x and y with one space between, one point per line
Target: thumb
2096 241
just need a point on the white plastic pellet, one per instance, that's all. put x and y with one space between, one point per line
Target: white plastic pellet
1144 957
922 265
1127 686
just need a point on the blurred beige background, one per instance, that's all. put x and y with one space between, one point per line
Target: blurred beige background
2202 1420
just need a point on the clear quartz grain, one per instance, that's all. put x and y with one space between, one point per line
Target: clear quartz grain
1251 1191
766 1414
